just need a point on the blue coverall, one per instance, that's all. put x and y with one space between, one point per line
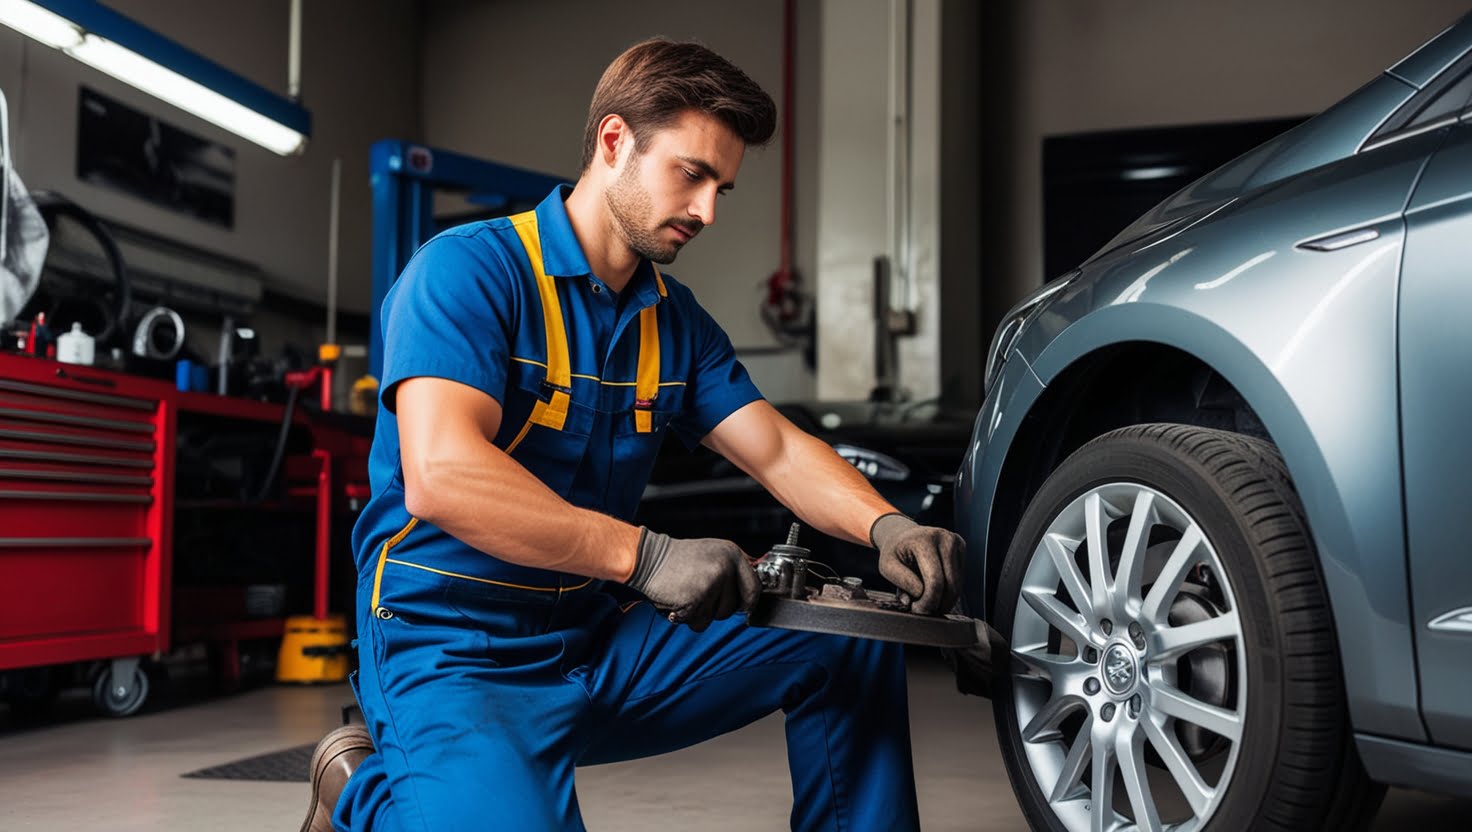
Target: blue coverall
484 683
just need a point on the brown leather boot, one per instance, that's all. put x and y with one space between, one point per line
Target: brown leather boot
332 764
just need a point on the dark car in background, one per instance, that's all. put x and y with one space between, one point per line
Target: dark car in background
908 451
1216 496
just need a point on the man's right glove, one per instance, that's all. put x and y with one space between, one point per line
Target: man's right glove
697 580
923 562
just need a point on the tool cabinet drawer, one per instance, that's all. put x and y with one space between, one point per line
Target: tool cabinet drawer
71 586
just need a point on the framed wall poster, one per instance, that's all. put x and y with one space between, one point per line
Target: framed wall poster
140 154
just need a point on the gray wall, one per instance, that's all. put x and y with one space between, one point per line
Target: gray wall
359 79
1067 66
511 82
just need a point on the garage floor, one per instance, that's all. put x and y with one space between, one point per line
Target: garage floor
78 771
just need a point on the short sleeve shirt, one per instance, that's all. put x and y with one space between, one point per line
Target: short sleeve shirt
466 308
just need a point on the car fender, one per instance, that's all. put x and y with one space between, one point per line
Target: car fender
1351 493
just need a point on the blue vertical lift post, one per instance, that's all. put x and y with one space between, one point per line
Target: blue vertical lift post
404 178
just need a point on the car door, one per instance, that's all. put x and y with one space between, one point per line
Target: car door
1436 402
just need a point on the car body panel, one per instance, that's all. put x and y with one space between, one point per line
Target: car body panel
1419 67
1415 766
1333 134
1436 398
1314 364
1012 396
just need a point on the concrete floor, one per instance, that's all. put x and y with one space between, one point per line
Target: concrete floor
77 771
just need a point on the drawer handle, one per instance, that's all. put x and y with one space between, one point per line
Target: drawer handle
97 380
74 542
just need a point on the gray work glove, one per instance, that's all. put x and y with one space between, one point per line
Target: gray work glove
923 562
698 581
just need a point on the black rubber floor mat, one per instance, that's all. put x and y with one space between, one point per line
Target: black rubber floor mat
289 766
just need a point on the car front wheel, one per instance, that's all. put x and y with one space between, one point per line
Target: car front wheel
1173 658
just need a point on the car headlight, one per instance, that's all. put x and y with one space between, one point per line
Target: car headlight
1013 324
872 464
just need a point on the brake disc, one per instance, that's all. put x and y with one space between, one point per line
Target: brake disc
1209 667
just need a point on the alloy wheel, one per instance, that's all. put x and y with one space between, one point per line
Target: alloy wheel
1129 671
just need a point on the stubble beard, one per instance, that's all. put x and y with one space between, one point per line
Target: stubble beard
631 207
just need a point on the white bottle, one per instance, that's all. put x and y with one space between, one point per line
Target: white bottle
75 347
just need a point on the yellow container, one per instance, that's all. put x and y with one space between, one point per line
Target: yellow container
313 650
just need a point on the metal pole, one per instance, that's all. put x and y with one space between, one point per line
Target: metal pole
294 53
227 329
332 228
897 211
4 173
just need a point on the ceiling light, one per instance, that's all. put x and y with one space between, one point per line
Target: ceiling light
117 46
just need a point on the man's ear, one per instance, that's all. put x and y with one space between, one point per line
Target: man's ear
613 134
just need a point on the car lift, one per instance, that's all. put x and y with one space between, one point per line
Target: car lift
405 178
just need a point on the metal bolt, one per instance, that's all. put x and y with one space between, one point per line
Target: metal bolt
1107 712
1136 630
1091 655
1107 626
1091 686
1135 705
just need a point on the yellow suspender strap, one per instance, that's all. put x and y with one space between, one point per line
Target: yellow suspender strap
552 413
646 384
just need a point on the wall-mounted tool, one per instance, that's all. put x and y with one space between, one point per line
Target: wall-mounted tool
159 334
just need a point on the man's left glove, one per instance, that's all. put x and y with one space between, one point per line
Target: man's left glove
923 562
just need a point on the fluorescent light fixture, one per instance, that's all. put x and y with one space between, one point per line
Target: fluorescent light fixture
115 45
42 24
188 95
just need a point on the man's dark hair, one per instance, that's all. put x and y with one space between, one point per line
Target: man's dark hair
653 82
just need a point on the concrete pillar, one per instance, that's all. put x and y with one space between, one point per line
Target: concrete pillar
879 170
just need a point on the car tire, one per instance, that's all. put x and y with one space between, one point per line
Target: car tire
1215 700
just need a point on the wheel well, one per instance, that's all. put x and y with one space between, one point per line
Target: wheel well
1119 386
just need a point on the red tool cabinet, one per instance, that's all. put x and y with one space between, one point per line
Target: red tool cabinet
85 518
87 514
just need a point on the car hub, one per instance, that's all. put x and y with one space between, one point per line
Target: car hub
1119 669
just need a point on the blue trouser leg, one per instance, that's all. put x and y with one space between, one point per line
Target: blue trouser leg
473 723
481 700
659 686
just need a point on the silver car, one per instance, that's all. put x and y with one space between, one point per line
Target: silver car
1217 498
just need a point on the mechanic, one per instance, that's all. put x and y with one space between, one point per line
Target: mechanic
512 624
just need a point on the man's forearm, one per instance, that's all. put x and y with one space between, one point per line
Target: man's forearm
824 490
489 501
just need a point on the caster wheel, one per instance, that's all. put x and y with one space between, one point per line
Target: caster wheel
118 693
